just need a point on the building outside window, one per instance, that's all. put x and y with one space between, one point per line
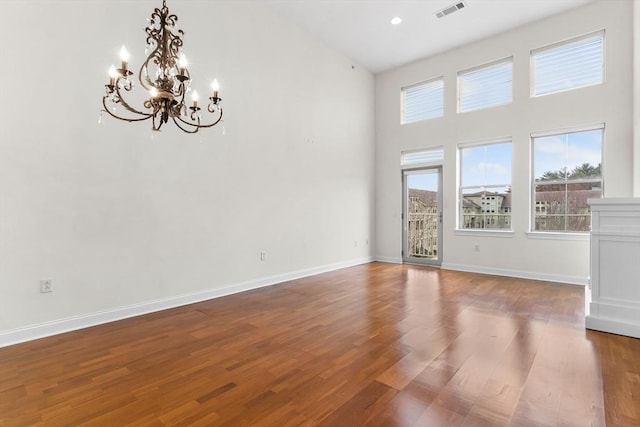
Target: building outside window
567 171
485 190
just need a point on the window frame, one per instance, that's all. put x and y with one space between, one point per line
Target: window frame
459 80
501 232
560 234
532 67
403 106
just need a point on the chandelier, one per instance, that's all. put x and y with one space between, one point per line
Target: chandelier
165 78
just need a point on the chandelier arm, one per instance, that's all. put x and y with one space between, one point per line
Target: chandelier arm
104 104
194 127
126 105
198 125
133 110
214 123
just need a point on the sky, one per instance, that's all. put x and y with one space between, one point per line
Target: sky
486 165
552 153
424 181
491 164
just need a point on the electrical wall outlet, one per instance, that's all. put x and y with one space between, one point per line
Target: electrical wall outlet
46 285
476 248
263 256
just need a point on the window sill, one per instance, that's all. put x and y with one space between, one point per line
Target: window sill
547 235
486 233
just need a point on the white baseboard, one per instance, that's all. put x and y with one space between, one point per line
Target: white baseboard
391 260
613 326
560 278
41 330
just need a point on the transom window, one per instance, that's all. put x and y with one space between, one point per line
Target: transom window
422 101
568 65
485 186
427 156
567 171
485 86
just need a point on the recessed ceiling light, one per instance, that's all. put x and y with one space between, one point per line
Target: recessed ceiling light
396 20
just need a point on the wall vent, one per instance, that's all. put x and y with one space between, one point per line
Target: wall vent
449 10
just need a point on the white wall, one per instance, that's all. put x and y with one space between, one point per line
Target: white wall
636 97
519 255
124 223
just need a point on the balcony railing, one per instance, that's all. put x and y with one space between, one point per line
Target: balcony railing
483 221
577 222
422 235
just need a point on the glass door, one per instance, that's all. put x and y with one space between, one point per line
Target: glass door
422 216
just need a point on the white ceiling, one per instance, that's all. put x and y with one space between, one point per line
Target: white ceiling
361 29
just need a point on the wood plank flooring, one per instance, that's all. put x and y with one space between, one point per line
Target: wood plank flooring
372 345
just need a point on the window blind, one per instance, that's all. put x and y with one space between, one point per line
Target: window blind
487 86
430 155
571 65
423 101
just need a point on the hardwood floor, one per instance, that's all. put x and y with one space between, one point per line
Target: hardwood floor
373 345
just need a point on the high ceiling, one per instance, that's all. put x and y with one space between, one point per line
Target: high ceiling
362 30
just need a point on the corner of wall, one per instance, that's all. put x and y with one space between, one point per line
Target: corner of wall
636 98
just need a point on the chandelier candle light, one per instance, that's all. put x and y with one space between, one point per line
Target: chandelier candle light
171 82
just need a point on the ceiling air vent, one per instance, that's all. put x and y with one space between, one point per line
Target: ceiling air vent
449 10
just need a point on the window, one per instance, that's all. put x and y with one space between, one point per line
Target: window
422 101
485 86
428 156
569 65
566 173
485 186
